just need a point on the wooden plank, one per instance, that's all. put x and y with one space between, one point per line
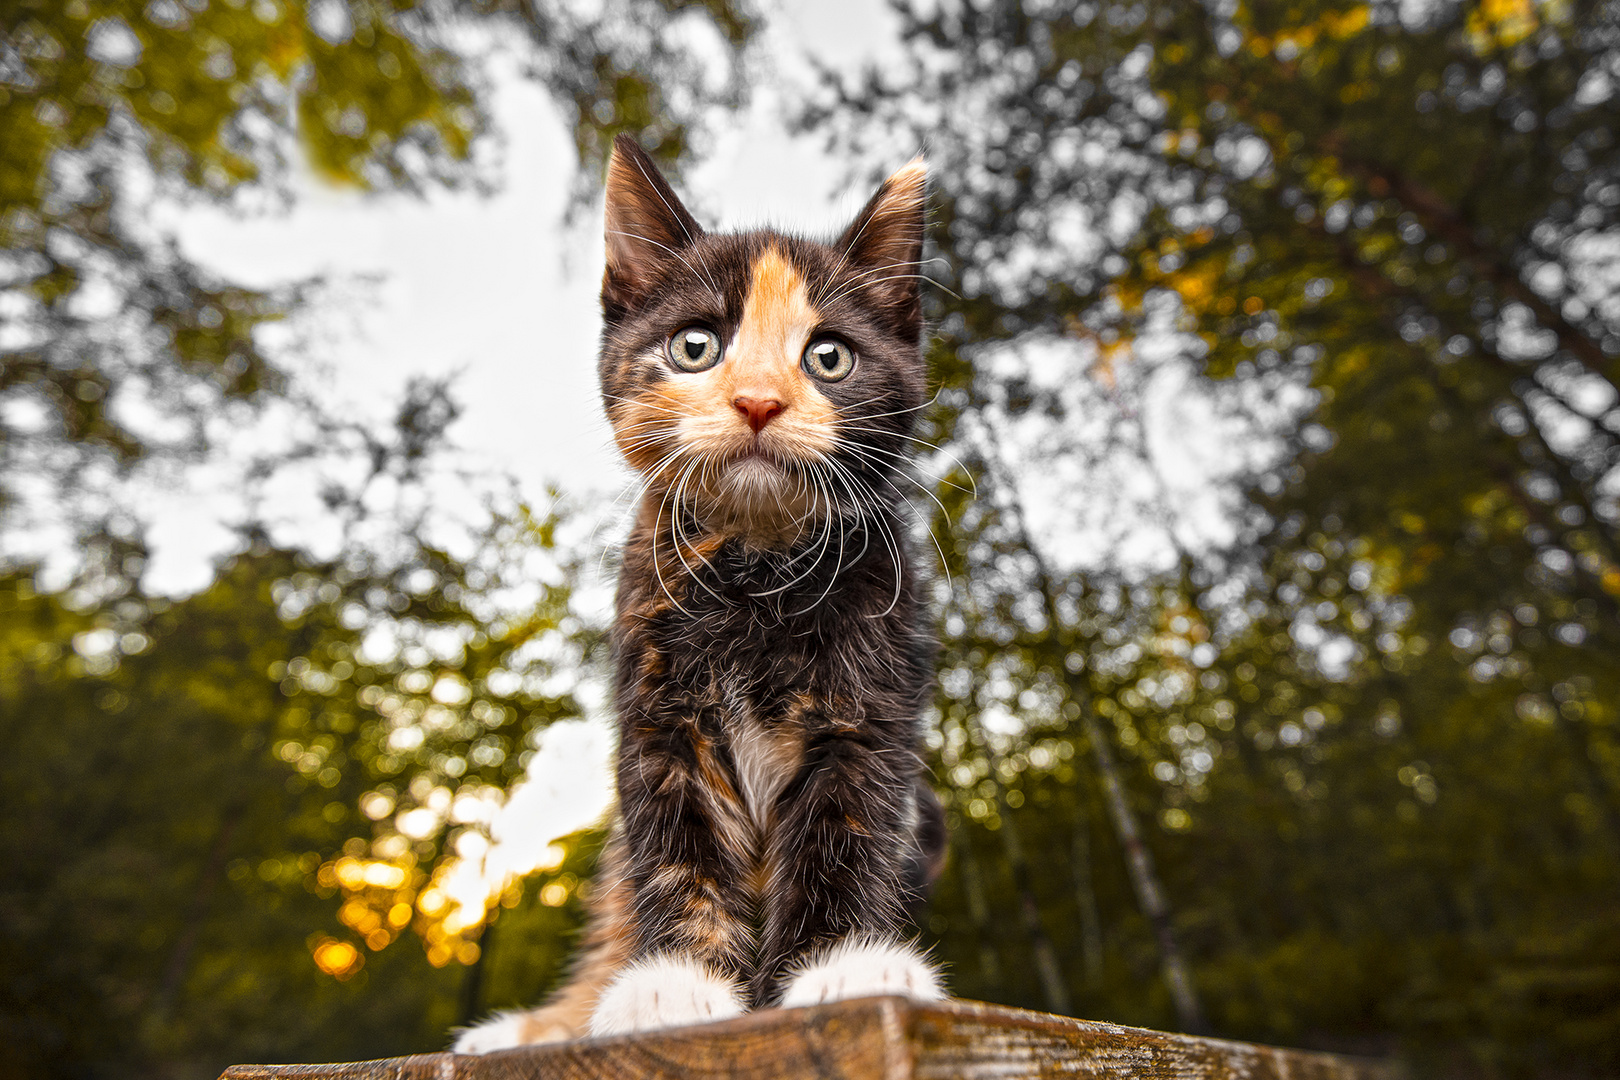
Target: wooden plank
964 1040
869 1039
415 1067
857 1041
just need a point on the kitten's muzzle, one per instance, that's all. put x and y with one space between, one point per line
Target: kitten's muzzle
757 411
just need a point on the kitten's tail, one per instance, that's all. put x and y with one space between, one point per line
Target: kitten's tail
929 839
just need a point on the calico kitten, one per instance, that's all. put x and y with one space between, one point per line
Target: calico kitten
772 649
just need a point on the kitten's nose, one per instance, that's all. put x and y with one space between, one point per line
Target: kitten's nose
759 412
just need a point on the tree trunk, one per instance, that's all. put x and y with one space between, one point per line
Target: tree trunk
973 887
179 962
472 981
1091 944
1144 878
1138 860
1047 967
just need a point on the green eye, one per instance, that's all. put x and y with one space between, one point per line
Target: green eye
829 359
694 348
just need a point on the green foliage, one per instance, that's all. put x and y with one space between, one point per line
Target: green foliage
179 772
1375 730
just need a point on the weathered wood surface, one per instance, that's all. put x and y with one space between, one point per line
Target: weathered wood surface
869 1039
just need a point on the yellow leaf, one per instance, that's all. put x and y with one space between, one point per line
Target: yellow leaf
1501 24
1351 22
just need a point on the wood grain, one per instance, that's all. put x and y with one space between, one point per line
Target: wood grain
869 1039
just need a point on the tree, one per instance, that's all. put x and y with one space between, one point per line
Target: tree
1374 725
230 813
116 348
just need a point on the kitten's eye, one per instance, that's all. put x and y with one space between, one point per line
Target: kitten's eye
694 348
829 359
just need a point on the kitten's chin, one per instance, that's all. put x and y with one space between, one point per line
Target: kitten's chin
755 476
756 497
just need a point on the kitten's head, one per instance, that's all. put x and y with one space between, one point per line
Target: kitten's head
763 381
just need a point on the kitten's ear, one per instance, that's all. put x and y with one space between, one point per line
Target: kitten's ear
647 227
884 243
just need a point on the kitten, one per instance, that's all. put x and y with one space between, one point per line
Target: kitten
772 649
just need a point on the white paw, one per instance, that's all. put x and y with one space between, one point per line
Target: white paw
864 968
499 1032
662 992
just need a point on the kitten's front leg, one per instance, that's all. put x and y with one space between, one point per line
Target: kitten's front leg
837 893
681 818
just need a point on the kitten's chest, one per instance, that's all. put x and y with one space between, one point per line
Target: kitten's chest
732 660
765 757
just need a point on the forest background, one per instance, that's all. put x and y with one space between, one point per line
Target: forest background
1273 479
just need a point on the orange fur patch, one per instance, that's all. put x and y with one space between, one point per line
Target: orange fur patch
761 362
688 427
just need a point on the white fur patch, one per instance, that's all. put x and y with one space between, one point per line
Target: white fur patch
865 968
662 992
766 759
499 1032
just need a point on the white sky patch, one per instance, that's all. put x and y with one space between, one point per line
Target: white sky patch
111 41
1147 458
568 787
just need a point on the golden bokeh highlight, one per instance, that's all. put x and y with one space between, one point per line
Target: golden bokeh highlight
337 958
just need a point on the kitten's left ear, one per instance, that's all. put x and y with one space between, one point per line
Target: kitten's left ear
884 243
647 227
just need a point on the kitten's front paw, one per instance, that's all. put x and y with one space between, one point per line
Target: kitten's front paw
499 1032
864 968
662 992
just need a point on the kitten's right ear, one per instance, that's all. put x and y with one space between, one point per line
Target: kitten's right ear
647 227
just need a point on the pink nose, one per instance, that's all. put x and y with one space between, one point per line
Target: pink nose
759 413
